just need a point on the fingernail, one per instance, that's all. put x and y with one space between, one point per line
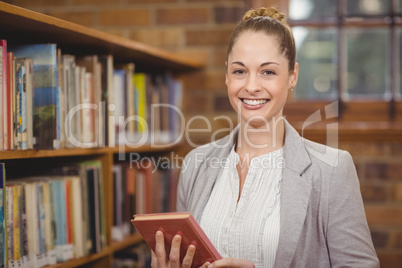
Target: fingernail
159 234
211 266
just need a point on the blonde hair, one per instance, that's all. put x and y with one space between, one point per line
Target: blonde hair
272 22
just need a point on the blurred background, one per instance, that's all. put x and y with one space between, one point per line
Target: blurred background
349 53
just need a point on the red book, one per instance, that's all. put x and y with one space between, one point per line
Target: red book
173 223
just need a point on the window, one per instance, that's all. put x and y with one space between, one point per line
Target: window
349 50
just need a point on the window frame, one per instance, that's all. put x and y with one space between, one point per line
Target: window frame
356 109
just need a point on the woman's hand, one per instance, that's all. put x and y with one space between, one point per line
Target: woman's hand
160 260
231 262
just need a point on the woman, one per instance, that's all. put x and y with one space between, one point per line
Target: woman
274 199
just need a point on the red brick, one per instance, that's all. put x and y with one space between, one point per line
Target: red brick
374 193
383 215
170 37
208 37
200 54
367 148
214 81
219 57
394 170
196 102
182 16
398 240
222 104
397 192
396 148
228 14
96 2
83 18
37 3
390 259
214 1
151 1
124 17
380 239
376 170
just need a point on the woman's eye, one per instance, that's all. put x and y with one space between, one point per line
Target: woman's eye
268 72
238 71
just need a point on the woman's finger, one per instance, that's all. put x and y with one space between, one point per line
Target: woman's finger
174 255
188 259
154 261
160 252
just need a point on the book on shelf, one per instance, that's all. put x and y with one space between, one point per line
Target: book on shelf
3 244
45 217
3 86
46 96
138 255
170 224
52 100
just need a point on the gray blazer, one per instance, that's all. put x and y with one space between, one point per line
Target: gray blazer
323 223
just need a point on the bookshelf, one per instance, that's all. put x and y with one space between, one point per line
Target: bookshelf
21 26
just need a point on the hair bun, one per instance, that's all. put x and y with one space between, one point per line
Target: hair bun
265 12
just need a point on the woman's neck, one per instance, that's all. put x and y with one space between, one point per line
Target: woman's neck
262 140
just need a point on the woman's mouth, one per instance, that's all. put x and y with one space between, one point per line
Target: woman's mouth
254 102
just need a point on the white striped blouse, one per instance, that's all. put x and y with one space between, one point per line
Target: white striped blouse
247 229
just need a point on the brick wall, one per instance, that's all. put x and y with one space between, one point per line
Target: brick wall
379 165
200 29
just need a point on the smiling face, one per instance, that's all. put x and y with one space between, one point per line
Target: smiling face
258 78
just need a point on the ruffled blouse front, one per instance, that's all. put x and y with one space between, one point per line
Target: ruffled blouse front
247 228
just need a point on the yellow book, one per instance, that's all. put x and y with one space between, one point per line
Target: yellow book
141 100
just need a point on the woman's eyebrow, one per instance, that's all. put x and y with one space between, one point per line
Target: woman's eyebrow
262 64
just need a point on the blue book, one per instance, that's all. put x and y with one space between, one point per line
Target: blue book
46 93
59 197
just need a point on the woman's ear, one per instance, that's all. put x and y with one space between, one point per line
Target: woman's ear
294 76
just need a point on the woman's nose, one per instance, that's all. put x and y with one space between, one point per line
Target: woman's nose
252 85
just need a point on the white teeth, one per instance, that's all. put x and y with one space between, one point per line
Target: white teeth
254 102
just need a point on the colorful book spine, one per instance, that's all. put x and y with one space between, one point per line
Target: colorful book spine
44 57
3 85
3 244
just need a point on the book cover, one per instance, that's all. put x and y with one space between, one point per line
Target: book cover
21 105
32 222
140 99
119 84
3 245
10 99
107 97
170 224
92 66
9 228
118 203
44 57
3 85
27 103
77 217
16 222
59 197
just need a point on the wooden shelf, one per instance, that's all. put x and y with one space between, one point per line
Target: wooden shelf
114 247
24 154
22 26
131 240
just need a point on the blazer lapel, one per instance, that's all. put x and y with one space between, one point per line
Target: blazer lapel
209 172
295 195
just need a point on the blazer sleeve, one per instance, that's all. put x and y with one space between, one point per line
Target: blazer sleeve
348 236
